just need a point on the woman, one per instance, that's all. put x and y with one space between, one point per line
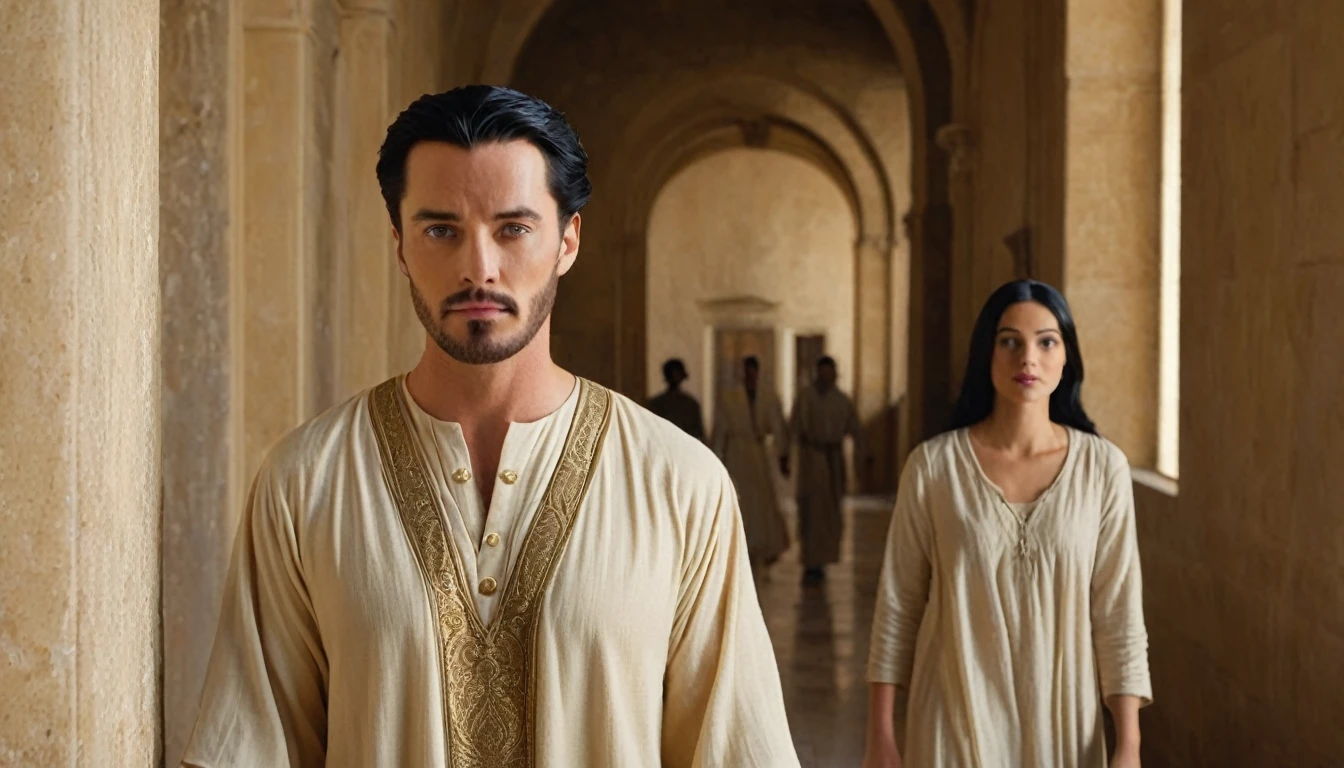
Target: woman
1010 602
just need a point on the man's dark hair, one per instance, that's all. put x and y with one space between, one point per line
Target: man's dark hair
752 362
481 114
826 362
673 367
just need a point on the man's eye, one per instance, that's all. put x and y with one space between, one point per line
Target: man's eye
515 230
439 231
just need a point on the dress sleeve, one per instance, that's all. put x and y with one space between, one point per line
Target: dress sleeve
1118 632
264 700
723 704
903 586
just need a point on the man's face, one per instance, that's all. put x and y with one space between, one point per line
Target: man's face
482 246
826 376
751 375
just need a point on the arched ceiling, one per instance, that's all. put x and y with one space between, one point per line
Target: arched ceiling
738 109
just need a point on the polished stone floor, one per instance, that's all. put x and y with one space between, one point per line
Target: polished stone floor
820 636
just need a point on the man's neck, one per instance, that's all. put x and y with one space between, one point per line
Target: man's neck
527 387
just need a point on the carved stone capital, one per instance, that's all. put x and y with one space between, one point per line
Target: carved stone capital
958 141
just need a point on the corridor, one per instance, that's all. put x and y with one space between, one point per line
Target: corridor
820 636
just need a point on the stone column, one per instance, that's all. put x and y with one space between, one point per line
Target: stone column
79 346
872 344
200 487
368 281
286 350
1112 225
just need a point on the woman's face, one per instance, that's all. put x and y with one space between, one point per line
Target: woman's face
1029 354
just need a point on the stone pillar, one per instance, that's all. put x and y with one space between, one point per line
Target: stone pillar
1112 224
872 344
368 282
959 142
200 484
79 346
286 55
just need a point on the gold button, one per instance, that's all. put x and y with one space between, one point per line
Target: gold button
462 476
492 540
508 476
488 586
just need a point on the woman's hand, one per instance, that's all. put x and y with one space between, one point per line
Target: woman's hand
880 744
882 753
1125 756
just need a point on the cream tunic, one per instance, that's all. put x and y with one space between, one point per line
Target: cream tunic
648 646
740 429
1008 632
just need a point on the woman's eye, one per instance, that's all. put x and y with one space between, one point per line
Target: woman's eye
1008 342
1047 343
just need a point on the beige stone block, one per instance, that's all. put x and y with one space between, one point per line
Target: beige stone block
1113 216
1108 38
1117 334
366 262
1318 448
79 349
1242 467
288 14
1318 234
1318 58
273 241
1314 696
1130 106
1235 211
1215 31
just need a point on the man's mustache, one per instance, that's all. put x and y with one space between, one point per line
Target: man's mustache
478 296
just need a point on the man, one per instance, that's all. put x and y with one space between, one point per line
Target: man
675 405
489 562
822 417
743 418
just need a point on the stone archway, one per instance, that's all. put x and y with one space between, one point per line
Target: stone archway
929 42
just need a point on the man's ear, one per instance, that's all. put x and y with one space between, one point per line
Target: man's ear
569 244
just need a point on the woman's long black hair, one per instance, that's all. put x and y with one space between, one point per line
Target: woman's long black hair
977 388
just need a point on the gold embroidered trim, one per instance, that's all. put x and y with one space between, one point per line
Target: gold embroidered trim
489 673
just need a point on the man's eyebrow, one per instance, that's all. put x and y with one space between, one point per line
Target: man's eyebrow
426 214
521 212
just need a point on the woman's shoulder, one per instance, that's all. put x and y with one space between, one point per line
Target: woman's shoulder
1099 452
937 451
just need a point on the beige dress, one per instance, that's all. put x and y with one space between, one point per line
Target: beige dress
739 439
599 612
1005 631
821 421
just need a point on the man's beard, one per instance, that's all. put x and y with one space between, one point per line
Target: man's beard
479 348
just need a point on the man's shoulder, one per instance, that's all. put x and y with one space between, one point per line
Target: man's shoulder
656 442
314 443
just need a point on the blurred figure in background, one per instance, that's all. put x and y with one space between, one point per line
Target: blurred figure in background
743 418
677 406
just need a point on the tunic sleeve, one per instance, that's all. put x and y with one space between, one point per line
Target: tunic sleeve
903 587
1118 631
722 699
263 702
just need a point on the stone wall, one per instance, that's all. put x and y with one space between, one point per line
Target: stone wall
79 345
749 223
1243 571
